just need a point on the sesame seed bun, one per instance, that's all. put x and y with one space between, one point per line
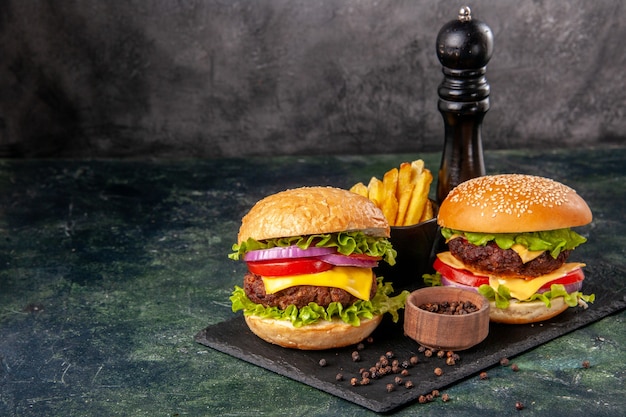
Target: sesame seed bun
312 210
512 203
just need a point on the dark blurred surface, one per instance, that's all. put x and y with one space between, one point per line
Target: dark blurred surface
108 269
166 78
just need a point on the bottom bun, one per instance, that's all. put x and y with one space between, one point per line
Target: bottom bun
529 312
318 336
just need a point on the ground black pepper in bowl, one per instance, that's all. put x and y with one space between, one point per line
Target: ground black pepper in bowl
451 308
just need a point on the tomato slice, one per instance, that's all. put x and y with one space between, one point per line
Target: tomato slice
571 277
461 276
281 267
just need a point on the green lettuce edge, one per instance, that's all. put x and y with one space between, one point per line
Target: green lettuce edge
553 241
502 296
346 243
381 303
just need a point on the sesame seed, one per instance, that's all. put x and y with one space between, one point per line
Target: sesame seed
510 194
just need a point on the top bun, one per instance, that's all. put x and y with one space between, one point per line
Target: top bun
512 203
312 210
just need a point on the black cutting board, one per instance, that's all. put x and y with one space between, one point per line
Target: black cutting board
234 338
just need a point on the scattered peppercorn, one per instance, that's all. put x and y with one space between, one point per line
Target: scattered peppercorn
445 397
519 405
339 377
356 357
421 349
414 360
389 355
422 399
429 397
428 353
586 364
365 381
408 384
435 393
514 367
483 375
450 361
360 346
322 362
438 371
398 380
405 372
354 382
441 354
504 362
370 339
391 387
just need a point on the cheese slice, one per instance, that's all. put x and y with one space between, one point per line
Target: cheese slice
356 281
525 254
520 288
523 288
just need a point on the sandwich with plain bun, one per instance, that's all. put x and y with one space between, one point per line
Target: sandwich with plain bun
509 238
309 253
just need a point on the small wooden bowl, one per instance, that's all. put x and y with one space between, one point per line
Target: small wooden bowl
443 331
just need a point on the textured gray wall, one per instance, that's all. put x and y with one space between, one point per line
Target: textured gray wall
240 77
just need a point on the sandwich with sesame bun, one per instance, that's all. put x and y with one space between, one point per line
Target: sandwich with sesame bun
509 238
309 254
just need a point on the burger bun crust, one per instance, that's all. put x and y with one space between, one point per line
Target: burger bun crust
312 210
512 203
317 336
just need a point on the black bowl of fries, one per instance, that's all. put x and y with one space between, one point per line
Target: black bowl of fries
402 196
414 245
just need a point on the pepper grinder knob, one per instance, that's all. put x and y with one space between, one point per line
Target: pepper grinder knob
464 47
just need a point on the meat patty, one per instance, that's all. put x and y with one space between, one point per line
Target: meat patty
299 296
490 259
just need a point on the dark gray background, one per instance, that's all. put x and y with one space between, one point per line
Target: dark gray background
167 78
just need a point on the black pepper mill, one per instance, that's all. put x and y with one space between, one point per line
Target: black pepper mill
464 47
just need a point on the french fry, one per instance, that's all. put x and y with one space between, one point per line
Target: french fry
389 205
419 197
375 191
404 191
417 167
402 195
360 189
428 212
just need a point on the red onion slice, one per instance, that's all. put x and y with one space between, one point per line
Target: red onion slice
449 283
286 252
342 260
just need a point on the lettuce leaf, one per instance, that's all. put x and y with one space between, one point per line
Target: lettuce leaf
502 296
553 241
346 243
381 303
